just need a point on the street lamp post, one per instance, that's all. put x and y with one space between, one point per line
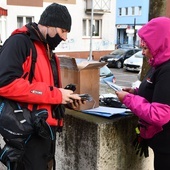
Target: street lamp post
91 31
134 37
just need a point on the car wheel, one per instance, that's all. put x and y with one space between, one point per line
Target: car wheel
119 64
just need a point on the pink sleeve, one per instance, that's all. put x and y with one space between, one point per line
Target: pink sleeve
153 113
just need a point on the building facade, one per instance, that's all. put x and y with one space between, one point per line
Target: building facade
98 36
130 16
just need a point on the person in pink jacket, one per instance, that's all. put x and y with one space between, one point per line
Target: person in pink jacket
151 101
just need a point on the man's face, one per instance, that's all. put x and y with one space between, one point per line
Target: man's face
54 36
52 31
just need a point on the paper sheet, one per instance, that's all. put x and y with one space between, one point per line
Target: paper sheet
108 111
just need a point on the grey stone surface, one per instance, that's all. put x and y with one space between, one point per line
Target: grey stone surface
95 143
2 167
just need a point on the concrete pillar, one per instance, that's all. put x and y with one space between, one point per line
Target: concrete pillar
95 143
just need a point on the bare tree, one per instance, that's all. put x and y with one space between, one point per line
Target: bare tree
157 8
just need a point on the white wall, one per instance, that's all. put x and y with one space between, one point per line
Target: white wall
75 42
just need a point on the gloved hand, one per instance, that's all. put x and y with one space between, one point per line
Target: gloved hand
140 145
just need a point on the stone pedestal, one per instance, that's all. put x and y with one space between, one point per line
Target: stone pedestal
96 143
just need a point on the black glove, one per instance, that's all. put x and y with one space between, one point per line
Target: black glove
140 145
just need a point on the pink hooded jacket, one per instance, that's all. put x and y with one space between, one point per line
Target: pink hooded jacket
156 35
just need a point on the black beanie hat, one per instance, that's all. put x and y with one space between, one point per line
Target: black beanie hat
56 15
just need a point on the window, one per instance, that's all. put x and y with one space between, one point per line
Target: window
84 28
140 10
126 11
120 11
23 20
133 10
96 30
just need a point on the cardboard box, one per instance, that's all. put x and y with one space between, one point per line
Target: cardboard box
85 75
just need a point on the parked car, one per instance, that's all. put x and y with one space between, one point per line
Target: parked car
106 74
117 57
134 63
129 46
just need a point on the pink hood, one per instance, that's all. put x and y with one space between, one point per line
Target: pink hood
156 35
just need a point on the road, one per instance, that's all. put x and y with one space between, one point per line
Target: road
124 78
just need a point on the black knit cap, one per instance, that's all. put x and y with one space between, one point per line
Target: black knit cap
56 15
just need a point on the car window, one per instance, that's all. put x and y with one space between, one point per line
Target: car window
105 71
117 52
136 50
139 54
131 52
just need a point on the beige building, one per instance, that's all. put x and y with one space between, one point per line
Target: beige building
81 40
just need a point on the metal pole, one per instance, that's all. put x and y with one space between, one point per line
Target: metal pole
134 37
91 33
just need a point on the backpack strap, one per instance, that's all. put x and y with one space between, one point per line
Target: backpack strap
34 59
33 55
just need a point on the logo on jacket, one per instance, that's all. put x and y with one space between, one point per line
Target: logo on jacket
36 92
149 81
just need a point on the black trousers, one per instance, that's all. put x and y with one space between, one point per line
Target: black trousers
161 161
160 144
39 153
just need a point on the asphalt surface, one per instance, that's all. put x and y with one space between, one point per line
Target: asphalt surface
124 78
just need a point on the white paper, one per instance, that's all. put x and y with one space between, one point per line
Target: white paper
114 86
108 111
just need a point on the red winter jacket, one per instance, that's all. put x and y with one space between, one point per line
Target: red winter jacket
15 62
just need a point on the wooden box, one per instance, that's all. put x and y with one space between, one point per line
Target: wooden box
85 75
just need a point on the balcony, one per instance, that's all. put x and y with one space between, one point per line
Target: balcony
3 12
99 6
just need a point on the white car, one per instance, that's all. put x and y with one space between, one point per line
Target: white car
134 63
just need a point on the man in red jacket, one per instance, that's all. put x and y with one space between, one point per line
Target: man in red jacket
45 91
